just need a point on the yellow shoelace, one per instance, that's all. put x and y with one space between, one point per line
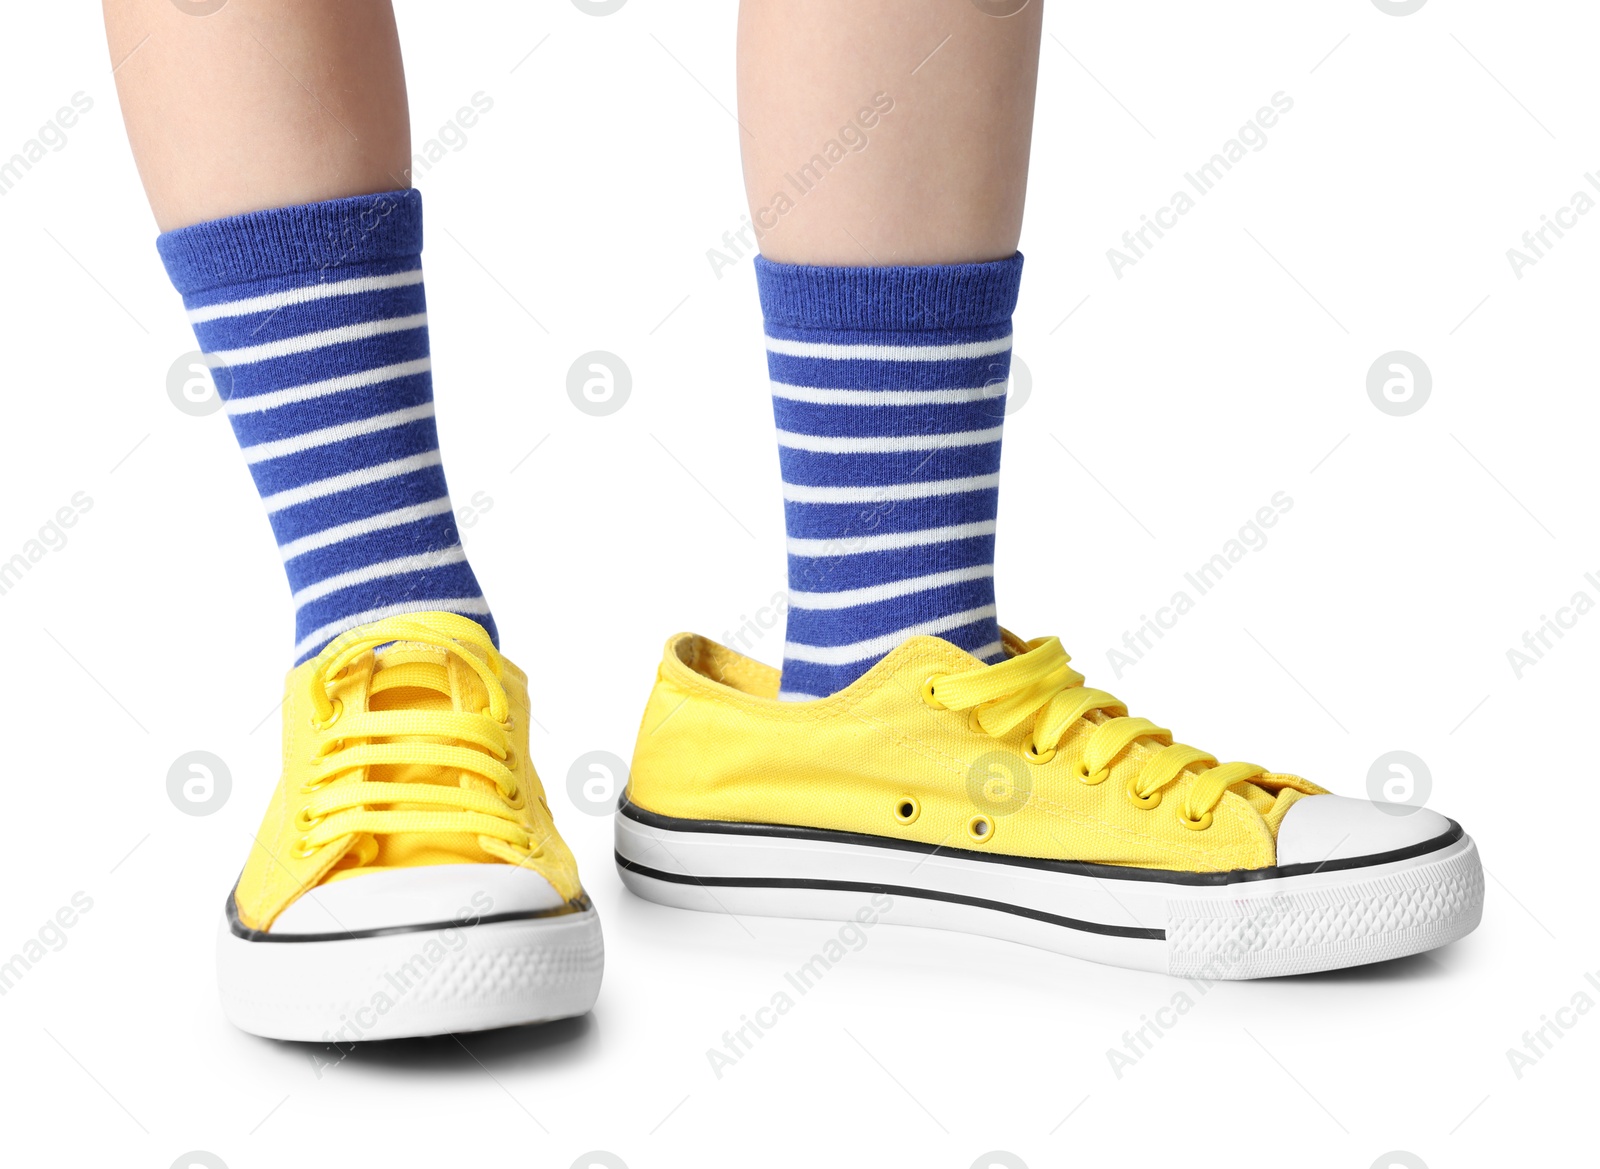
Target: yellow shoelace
1041 682
473 750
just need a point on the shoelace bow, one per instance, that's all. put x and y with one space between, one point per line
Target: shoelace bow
1040 683
486 800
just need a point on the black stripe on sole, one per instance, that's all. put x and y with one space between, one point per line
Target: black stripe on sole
1073 868
578 904
1091 927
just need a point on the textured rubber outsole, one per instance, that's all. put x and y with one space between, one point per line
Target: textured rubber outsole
1258 926
1417 906
412 983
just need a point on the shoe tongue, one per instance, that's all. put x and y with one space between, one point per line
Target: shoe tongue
407 677
411 679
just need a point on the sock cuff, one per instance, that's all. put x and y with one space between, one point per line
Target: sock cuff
929 296
287 241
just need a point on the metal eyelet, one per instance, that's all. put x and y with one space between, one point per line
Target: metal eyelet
981 829
1031 752
302 849
1146 802
1199 825
338 709
907 809
1091 778
927 692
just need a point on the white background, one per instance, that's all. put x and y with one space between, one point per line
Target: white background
1172 404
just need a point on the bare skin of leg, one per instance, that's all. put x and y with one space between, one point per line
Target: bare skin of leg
264 103
943 172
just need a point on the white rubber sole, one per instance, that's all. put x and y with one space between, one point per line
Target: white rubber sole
404 983
1255 924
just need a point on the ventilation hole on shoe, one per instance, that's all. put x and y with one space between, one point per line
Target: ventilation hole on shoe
979 828
907 810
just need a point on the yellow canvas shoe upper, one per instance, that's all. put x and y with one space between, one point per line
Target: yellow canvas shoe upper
405 744
932 745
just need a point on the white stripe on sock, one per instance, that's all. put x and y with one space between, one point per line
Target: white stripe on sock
342 532
470 606
822 396
273 300
888 352
796 493
337 483
318 340
828 444
333 385
421 562
796 696
277 449
852 545
984 652
849 598
876 647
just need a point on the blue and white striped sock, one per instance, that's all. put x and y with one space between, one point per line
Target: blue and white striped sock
888 385
313 320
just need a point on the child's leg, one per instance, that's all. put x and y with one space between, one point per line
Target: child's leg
942 176
1003 797
888 278
266 103
273 142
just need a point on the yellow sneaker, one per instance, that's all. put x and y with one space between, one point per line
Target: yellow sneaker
407 878
1012 800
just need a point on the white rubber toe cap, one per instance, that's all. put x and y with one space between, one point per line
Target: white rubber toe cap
431 894
1327 828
